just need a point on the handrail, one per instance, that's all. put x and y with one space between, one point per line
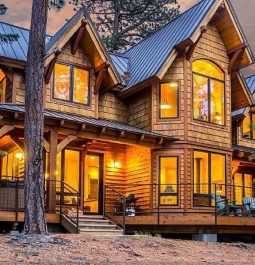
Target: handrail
72 192
118 212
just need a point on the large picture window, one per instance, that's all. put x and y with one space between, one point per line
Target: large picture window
248 127
168 174
169 100
71 84
208 92
209 174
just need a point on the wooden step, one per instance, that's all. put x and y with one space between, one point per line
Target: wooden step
98 226
98 232
103 221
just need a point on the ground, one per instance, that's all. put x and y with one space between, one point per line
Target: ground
80 249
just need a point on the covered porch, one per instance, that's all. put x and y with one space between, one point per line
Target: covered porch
81 157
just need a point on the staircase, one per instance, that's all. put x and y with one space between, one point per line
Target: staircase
92 225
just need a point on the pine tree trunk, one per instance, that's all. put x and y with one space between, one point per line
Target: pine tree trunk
35 222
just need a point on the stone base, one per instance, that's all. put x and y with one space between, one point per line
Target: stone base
205 237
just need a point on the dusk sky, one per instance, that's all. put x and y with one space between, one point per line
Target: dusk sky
20 10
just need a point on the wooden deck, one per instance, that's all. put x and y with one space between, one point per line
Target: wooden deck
8 216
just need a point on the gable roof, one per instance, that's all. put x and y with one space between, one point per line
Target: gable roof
16 50
148 56
250 83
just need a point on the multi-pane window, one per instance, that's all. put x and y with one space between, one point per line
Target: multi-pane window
209 173
169 100
243 187
71 84
168 175
208 92
248 126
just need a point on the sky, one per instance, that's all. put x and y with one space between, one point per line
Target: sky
20 10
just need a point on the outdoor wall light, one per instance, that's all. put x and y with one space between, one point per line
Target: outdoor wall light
116 164
19 155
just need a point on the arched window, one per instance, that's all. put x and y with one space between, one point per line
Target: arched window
208 92
2 86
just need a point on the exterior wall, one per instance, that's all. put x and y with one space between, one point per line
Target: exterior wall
112 108
139 109
79 59
185 127
174 126
138 175
240 140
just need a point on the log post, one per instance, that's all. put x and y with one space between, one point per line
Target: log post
52 170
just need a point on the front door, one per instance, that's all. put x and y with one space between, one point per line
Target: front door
93 184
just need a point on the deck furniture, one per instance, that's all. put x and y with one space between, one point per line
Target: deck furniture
249 204
225 208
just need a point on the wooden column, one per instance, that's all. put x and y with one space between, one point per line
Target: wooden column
52 170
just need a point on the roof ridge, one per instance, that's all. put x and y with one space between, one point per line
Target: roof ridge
180 15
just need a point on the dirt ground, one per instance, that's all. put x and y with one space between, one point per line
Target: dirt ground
80 249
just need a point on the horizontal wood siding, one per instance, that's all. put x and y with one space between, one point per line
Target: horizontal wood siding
138 175
111 107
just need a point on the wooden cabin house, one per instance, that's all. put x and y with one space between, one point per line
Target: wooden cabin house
146 140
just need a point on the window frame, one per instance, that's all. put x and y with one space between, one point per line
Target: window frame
71 86
243 186
209 93
209 153
175 194
251 133
177 99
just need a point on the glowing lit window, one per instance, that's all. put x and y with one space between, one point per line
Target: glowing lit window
248 126
209 173
169 100
168 174
243 187
208 92
71 84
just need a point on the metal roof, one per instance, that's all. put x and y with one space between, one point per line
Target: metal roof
16 50
251 83
148 56
121 64
244 149
85 120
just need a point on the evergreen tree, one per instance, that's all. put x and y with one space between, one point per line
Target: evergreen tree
123 23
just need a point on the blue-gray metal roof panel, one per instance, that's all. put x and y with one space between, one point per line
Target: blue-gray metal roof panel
147 57
251 83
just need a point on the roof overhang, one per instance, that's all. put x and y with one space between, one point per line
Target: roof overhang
85 127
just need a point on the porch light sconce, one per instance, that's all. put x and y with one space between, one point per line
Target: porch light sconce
116 164
19 155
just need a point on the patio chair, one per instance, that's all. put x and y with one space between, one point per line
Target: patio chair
249 204
222 204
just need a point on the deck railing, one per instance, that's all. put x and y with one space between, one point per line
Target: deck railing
67 198
161 200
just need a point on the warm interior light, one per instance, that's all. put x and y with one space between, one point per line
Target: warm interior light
173 84
19 155
116 164
165 105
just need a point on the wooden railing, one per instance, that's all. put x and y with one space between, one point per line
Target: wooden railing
161 200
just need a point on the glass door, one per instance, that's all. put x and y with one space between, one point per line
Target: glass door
71 175
93 184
